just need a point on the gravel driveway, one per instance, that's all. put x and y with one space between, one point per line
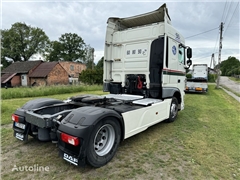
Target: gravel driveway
230 84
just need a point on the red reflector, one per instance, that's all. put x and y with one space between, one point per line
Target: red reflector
15 118
70 139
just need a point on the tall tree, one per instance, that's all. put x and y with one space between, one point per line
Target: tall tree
55 51
5 63
100 64
230 66
93 76
70 47
21 41
89 59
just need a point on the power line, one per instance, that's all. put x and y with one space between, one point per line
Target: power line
228 12
201 33
231 18
224 10
203 57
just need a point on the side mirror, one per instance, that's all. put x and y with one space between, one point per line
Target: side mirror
189 53
189 62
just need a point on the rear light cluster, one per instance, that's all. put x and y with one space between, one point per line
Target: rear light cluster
15 118
70 139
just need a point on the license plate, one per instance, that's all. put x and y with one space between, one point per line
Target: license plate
19 136
70 159
20 125
198 89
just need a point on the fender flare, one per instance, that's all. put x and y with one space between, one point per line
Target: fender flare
36 103
90 116
169 92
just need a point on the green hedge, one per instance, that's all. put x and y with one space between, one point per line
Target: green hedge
189 76
212 77
92 76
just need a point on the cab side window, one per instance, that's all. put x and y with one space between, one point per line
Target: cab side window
181 55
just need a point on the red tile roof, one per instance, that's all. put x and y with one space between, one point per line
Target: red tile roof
21 67
7 77
43 69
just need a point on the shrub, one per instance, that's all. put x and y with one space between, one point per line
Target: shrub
189 76
212 77
92 76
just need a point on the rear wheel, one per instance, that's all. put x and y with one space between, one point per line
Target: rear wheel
173 110
104 141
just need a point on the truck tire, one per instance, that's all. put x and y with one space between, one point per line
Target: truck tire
103 142
173 110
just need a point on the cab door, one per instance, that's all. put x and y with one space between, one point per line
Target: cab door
172 68
181 69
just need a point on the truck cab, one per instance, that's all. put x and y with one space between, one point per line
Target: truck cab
145 55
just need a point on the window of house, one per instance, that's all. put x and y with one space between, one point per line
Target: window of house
72 67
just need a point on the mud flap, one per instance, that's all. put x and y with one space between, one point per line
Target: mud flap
21 134
73 159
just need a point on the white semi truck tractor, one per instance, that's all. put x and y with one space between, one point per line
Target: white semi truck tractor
144 73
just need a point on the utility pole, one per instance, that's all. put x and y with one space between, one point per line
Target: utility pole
212 61
219 55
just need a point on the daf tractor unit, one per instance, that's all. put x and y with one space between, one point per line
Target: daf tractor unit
144 73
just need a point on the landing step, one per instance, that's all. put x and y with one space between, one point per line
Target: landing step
124 97
147 101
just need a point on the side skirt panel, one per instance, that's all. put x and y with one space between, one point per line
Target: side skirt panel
139 120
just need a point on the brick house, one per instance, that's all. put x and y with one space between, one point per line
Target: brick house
49 73
17 74
73 69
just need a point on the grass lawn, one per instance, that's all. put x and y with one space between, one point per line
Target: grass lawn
22 92
229 89
203 143
237 80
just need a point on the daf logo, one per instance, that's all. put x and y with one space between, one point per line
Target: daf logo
70 159
177 37
19 136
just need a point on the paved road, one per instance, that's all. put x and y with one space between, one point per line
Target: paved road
225 81
230 84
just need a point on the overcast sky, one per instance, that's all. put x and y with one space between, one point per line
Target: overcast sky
88 20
